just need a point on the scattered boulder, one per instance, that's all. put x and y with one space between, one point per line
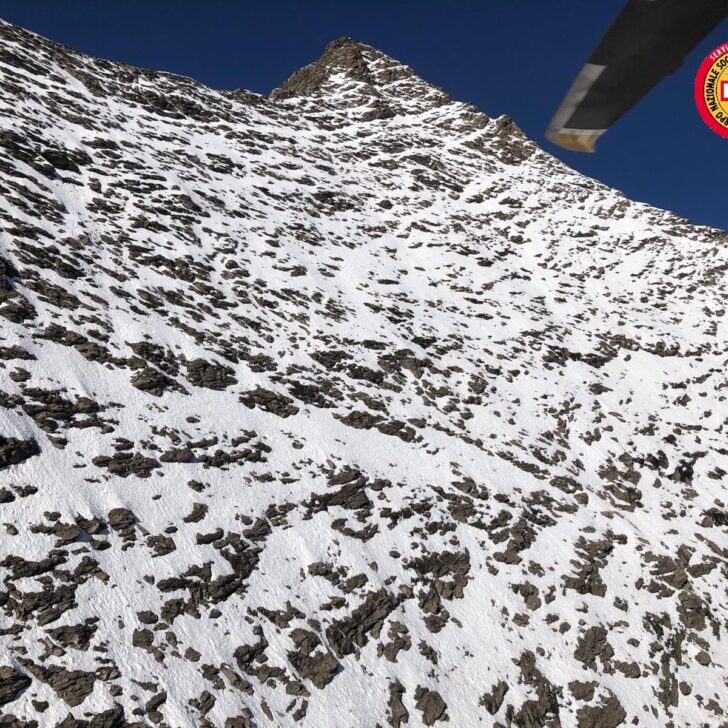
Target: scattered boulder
431 704
493 699
12 684
269 401
14 451
202 373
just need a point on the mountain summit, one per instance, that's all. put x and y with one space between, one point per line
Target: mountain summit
345 407
347 65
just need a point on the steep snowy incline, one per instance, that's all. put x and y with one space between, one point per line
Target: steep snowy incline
345 407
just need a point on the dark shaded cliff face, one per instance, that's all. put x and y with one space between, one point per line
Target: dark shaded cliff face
346 406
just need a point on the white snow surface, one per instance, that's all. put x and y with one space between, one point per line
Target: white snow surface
345 407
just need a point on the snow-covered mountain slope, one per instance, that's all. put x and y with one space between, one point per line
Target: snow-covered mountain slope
345 407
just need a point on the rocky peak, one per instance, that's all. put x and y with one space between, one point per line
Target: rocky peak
343 55
349 68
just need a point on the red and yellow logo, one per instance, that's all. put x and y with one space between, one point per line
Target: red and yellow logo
711 90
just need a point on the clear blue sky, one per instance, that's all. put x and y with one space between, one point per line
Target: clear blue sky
504 56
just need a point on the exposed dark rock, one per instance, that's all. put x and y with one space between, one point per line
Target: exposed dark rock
348 634
9 353
314 665
12 684
431 704
398 714
265 399
73 686
592 646
77 636
493 700
202 373
153 381
14 451
542 710
177 455
124 464
608 714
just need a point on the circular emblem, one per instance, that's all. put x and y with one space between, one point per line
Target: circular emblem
711 90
